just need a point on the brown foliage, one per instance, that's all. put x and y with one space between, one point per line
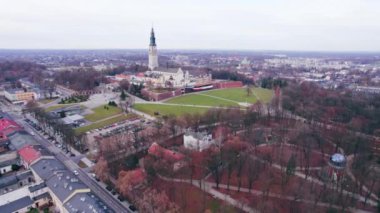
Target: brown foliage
101 169
154 201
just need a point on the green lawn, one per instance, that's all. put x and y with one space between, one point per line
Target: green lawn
197 99
232 97
168 109
101 113
240 94
101 124
54 107
45 101
265 95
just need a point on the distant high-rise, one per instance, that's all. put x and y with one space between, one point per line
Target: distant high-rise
153 58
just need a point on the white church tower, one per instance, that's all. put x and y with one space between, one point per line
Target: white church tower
153 58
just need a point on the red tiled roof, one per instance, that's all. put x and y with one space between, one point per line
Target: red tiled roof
7 127
29 154
159 151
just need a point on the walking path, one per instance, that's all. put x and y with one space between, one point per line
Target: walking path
315 180
312 179
220 98
209 187
352 176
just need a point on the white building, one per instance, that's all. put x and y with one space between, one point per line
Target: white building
197 140
163 76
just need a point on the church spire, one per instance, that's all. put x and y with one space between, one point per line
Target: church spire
152 38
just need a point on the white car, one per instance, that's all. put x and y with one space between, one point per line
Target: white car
76 172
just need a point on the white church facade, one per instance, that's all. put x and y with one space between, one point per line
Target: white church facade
173 77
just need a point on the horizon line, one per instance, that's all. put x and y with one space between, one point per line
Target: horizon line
190 49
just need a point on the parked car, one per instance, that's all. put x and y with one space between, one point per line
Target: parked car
76 172
132 208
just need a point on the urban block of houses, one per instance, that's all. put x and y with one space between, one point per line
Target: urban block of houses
42 180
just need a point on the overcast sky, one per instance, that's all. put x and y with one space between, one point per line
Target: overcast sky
332 25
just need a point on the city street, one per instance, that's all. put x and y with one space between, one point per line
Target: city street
102 193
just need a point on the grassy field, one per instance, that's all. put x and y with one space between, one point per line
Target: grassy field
168 109
240 94
101 113
51 108
198 99
225 97
101 124
265 95
46 101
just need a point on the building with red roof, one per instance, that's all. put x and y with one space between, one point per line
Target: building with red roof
28 155
8 126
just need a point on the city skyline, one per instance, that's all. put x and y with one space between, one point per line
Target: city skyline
274 25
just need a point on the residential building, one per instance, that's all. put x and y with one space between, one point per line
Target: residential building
7 160
20 96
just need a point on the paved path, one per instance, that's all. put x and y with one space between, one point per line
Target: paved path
220 98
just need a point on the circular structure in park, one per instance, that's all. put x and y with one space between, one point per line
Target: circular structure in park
338 161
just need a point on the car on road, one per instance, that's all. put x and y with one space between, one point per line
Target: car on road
76 172
132 208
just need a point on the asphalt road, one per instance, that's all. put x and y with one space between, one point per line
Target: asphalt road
102 193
